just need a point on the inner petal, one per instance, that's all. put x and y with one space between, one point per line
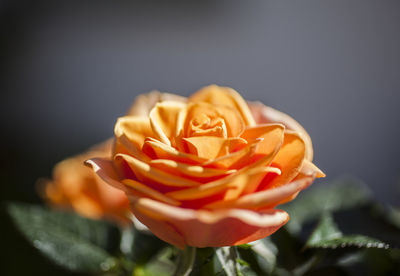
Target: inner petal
203 125
210 147
227 96
163 119
203 116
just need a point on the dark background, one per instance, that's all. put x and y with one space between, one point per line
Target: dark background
70 68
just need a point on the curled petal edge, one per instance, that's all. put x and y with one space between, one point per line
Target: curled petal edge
264 114
247 225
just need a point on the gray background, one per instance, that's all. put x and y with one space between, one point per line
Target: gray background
69 69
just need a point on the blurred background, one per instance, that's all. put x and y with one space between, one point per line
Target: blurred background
70 68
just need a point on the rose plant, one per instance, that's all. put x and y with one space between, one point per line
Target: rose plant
204 174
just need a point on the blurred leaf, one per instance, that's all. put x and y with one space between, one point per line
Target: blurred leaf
69 240
394 217
227 257
290 251
359 241
325 230
383 262
161 264
244 268
266 252
145 246
371 261
232 263
327 235
206 262
259 255
340 194
185 261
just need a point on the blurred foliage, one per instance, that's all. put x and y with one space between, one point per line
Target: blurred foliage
335 229
77 243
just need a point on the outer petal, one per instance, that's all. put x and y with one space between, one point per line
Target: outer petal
130 134
178 168
264 114
145 102
201 228
149 192
268 198
289 160
105 169
227 96
271 134
144 172
309 168
237 181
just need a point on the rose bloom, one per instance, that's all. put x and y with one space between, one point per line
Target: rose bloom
75 186
210 170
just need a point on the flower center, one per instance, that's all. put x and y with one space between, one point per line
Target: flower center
203 125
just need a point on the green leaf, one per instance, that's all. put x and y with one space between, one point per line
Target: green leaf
69 240
326 230
266 252
341 194
359 241
327 235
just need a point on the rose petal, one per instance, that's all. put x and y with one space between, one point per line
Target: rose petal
218 95
105 169
264 114
267 198
234 160
309 168
174 167
163 151
135 129
87 206
123 145
248 157
163 119
202 228
145 102
144 171
162 229
289 160
210 147
233 181
271 134
245 187
147 191
270 138
231 117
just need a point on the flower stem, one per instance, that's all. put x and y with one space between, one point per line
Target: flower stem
185 261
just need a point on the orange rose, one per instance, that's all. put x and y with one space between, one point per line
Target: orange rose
78 187
209 171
